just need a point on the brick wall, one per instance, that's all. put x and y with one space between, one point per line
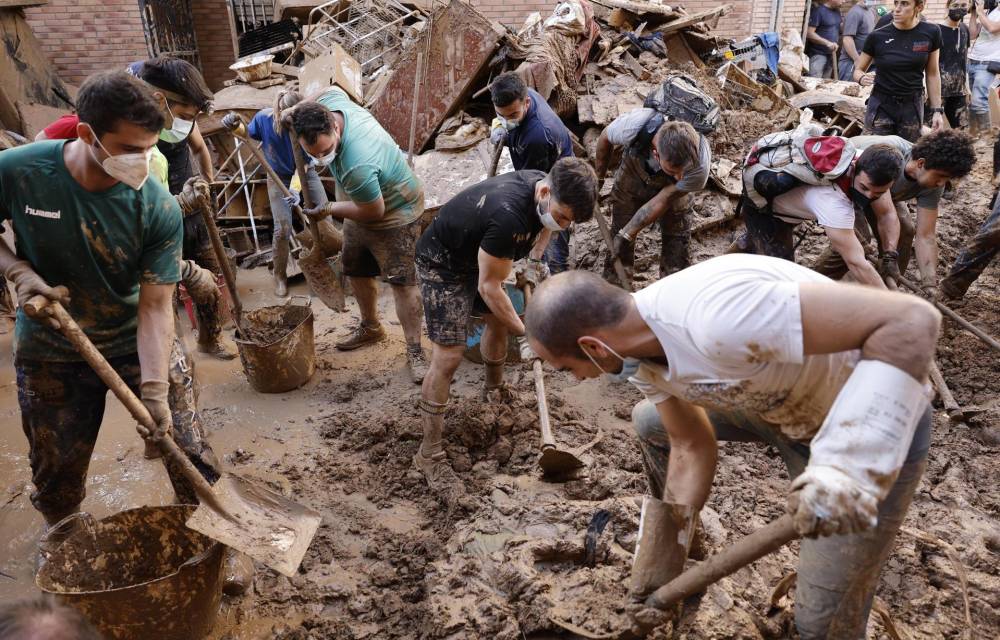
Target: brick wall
85 36
212 30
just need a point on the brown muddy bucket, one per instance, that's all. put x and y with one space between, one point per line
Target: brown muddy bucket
279 354
139 574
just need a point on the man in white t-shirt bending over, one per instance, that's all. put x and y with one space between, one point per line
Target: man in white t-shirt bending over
770 229
748 348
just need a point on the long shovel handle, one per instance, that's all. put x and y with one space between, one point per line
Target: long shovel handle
495 159
548 441
40 305
300 168
224 264
602 224
965 324
758 544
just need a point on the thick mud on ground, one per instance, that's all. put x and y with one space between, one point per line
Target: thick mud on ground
511 555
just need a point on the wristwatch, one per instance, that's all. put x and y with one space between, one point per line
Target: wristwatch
937 109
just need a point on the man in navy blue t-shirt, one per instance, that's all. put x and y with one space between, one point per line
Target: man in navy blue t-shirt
536 138
822 37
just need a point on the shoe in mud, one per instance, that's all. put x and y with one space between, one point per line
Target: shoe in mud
436 469
417 363
362 335
281 287
221 349
239 571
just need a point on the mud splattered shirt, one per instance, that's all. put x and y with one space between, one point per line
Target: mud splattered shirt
731 329
100 245
497 215
953 59
370 164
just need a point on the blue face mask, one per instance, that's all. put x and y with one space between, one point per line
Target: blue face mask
630 366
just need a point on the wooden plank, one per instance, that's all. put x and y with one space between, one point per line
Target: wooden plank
694 19
639 7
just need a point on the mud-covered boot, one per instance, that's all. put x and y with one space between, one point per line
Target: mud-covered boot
493 380
416 362
362 335
58 533
431 459
239 571
280 264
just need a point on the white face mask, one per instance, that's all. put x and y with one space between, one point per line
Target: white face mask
178 131
630 366
130 168
327 159
509 125
548 221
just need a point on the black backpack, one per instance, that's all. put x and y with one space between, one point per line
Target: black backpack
677 98
680 98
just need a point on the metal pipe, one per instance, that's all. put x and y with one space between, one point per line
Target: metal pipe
246 190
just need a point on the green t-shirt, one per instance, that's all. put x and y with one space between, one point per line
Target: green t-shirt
99 245
370 164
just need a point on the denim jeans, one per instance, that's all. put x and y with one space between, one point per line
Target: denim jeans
979 84
837 575
557 253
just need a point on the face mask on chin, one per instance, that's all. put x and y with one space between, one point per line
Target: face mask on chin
129 168
630 366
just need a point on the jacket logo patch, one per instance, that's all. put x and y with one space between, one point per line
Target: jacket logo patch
41 213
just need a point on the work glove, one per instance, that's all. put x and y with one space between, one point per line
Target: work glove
497 132
325 210
527 353
200 283
195 194
293 200
536 272
28 284
825 501
619 243
154 395
645 619
234 123
889 266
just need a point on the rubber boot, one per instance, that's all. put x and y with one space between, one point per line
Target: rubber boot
239 571
665 534
280 263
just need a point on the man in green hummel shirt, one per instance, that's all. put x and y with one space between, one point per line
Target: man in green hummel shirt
86 217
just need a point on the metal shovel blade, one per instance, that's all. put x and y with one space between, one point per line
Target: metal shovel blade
265 525
321 278
556 462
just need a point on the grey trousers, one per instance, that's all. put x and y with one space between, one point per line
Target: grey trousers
837 575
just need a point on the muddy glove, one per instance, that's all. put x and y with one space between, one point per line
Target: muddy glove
858 452
195 194
536 272
527 353
200 283
234 123
889 266
620 242
154 397
497 132
324 210
28 284
293 200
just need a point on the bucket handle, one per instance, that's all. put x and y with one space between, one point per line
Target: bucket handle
299 296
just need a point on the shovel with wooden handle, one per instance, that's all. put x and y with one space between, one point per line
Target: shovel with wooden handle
602 224
224 264
258 522
554 461
321 278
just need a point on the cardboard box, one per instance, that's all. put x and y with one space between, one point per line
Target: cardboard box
336 67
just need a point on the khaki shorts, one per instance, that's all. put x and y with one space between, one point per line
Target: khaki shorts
381 252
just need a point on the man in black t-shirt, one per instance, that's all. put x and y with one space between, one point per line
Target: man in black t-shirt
462 260
904 51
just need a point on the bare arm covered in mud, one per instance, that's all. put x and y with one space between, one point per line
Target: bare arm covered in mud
895 328
492 272
845 243
693 452
925 245
156 329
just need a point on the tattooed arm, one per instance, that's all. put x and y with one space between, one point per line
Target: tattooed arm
650 212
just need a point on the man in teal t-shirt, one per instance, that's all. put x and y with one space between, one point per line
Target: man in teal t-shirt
380 201
86 218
